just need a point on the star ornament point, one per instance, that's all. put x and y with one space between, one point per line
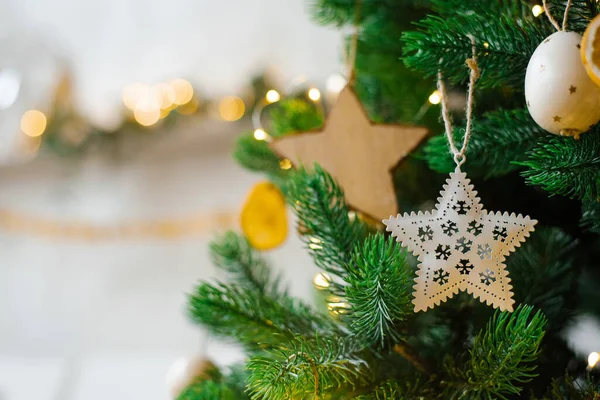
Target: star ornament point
461 247
360 154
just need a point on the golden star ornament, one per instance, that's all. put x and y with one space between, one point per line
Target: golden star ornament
359 154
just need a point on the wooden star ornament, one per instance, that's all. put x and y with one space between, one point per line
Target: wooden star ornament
358 153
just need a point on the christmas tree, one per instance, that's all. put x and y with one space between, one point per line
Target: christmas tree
370 343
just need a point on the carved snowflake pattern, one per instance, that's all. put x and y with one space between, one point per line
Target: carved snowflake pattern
461 207
464 267
425 233
442 252
449 228
500 233
484 251
487 277
475 228
440 276
461 247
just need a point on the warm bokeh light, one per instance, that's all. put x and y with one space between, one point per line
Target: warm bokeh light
146 117
183 91
321 280
166 93
335 83
231 108
132 93
314 94
593 359
486 45
259 134
435 98
33 123
272 96
189 108
537 10
285 164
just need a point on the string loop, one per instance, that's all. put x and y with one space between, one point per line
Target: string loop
350 56
553 21
460 155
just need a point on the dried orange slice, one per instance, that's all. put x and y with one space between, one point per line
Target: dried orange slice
264 217
590 50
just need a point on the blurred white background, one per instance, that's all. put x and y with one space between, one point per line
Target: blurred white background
216 44
87 320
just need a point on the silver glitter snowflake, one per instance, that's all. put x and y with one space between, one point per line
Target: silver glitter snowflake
461 246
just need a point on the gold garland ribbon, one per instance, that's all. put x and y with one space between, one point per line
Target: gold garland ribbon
195 225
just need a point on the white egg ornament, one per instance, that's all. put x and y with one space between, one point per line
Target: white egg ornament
560 95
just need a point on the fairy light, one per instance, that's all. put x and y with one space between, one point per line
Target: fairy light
336 305
435 98
321 280
285 164
146 117
183 91
231 108
260 134
132 93
33 123
272 96
537 10
314 94
486 45
167 96
593 359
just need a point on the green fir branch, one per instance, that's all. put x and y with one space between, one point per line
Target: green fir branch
511 8
232 253
504 44
323 215
343 12
294 115
252 318
581 12
502 357
590 218
207 390
499 139
409 389
565 166
571 389
307 367
379 290
543 272
256 155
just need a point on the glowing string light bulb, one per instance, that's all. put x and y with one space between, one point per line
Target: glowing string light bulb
537 10
260 134
285 164
272 96
321 280
33 123
435 98
593 359
314 94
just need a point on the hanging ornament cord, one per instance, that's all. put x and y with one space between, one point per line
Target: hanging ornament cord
350 55
551 18
460 155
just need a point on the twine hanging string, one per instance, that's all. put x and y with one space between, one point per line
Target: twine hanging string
551 18
459 155
350 55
